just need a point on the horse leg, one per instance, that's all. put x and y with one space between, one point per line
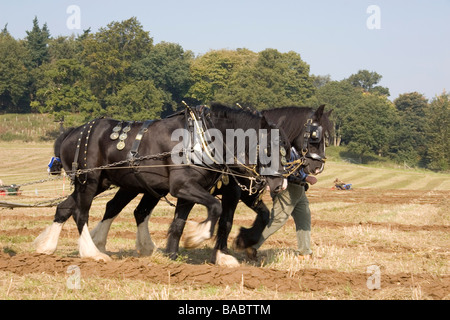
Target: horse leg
87 248
247 237
196 233
114 206
47 241
177 226
144 243
230 200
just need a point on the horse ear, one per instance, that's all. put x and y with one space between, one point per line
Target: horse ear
319 112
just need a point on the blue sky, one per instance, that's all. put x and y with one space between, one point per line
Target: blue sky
411 50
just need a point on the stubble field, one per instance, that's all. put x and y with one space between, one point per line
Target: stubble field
394 226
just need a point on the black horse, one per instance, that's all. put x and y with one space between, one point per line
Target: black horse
96 160
308 131
294 121
310 138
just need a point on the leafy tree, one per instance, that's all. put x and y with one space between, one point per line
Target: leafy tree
14 75
128 38
409 141
286 74
367 81
370 125
107 71
118 72
212 71
167 64
5 31
64 48
37 40
62 90
343 98
109 54
437 132
274 79
136 101
320 81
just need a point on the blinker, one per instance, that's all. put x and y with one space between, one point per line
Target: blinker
316 133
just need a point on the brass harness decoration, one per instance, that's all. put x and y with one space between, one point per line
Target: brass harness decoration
121 136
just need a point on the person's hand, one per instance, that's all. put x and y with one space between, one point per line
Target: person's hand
311 180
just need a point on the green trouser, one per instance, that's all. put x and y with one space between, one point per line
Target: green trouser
292 201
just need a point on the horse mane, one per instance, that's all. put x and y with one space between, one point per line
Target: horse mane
239 118
290 121
291 114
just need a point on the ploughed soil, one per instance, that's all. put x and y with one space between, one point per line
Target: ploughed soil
247 276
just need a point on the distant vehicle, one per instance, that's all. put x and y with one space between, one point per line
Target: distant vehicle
12 190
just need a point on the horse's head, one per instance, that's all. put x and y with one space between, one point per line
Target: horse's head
312 143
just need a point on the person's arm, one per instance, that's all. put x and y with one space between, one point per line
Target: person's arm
310 179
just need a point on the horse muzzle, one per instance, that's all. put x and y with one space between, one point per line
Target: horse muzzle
279 188
315 163
319 170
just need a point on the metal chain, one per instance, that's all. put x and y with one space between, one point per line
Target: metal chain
148 157
39 181
118 163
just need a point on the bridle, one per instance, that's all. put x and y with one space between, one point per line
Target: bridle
313 135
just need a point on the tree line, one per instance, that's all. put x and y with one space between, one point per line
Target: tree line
120 73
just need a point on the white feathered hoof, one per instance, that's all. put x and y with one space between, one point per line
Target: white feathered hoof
88 249
145 250
226 260
195 233
47 241
100 233
144 243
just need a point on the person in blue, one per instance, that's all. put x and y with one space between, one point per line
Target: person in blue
291 202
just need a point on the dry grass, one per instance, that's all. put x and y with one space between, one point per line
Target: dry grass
348 237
